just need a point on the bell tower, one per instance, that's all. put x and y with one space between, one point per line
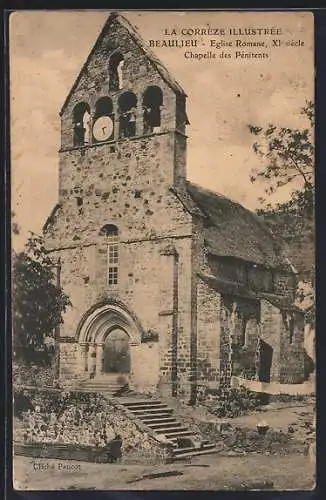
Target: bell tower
124 110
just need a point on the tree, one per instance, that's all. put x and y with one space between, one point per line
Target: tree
288 160
14 225
38 301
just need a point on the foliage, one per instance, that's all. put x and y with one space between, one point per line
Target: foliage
54 400
288 156
228 402
38 301
14 225
288 161
33 374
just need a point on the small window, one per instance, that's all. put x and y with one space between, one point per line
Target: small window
291 329
115 71
289 322
243 328
112 240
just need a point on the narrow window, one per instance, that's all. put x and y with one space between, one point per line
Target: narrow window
243 328
127 114
152 105
81 123
115 71
112 242
291 328
288 319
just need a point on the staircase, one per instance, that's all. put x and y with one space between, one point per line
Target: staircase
159 418
104 385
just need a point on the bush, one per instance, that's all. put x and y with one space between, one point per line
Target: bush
232 402
32 375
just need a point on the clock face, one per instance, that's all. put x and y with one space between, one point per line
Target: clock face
103 128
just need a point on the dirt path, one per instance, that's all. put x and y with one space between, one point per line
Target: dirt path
211 472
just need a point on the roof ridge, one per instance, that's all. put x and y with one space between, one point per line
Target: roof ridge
220 195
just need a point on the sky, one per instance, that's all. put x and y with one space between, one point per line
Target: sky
48 49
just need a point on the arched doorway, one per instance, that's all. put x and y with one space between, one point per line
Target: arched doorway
109 338
116 352
265 362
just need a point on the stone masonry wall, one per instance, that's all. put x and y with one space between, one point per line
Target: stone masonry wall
208 333
271 331
292 351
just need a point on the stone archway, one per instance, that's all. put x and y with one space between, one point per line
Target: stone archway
108 336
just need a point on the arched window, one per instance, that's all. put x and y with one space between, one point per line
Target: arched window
127 114
112 240
152 104
103 128
81 121
115 71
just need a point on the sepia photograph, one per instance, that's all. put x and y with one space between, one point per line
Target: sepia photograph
163 250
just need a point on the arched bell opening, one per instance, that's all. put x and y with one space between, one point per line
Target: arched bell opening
81 124
152 106
127 114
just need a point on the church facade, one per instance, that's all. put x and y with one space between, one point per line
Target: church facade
172 286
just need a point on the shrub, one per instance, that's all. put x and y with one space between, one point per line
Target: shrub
233 402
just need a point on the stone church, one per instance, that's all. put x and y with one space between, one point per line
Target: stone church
173 287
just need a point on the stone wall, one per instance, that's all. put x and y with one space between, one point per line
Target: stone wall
208 333
70 360
292 351
271 331
94 414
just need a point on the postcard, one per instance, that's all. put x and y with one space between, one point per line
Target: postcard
162 180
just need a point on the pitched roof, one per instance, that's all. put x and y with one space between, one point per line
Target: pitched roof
165 74
230 229
241 290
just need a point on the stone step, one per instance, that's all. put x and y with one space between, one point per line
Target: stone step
150 416
141 402
182 453
170 433
101 391
206 446
147 407
159 417
153 411
177 430
104 386
158 420
141 406
166 425
101 384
